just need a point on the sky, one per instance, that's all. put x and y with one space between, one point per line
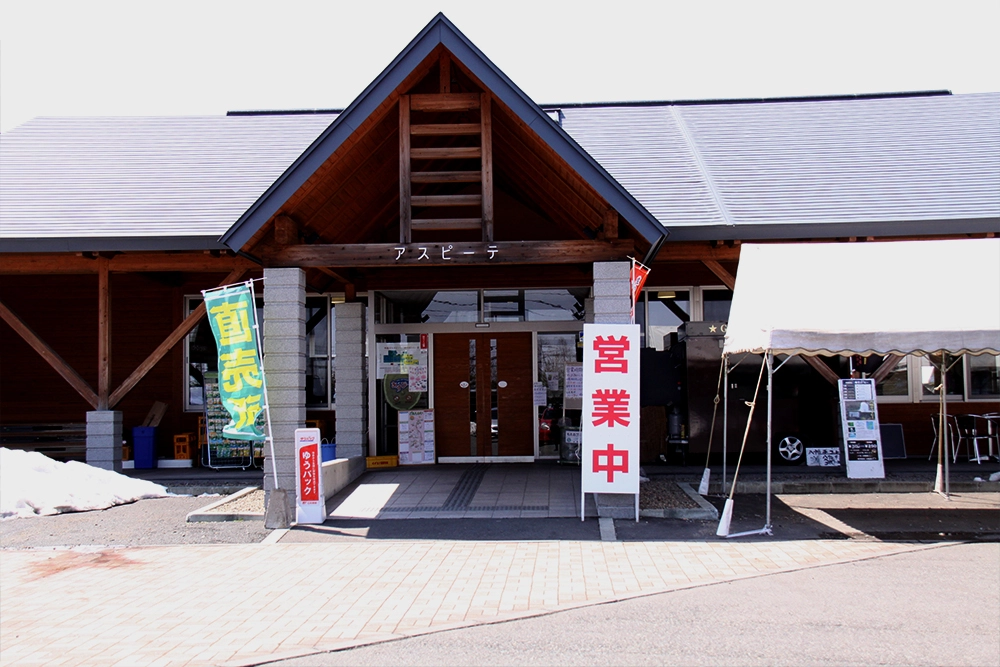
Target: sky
185 57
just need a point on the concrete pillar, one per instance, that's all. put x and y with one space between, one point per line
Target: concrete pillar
613 305
104 439
612 297
352 381
285 369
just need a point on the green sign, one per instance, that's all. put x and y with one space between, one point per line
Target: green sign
232 315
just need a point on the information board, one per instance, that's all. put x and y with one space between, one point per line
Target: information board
859 423
416 437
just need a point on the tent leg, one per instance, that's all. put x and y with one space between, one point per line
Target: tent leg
770 409
725 422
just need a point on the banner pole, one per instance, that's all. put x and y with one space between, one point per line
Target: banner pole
263 377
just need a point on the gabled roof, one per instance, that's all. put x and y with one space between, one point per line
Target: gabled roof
441 32
883 166
140 183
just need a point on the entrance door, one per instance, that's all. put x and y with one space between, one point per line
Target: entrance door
483 394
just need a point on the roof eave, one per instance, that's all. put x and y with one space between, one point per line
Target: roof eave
112 243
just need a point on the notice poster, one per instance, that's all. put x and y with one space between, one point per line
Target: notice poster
416 437
610 453
859 423
397 358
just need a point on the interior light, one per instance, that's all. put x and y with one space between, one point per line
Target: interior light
336 299
666 295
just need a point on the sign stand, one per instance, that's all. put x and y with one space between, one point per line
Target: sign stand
310 501
859 423
609 457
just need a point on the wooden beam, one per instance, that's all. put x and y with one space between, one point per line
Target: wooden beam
444 73
446 177
138 262
447 153
486 142
449 102
445 130
49 355
448 254
168 343
405 212
446 200
695 252
103 334
728 279
886 367
822 369
441 224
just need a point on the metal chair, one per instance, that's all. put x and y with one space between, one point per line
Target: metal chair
990 425
949 438
971 429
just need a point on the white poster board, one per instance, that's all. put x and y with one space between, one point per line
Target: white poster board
573 386
416 437
859 423
310 501
609 458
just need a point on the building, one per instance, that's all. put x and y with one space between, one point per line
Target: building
445 212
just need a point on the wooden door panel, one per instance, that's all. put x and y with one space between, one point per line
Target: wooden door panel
451 400
514 402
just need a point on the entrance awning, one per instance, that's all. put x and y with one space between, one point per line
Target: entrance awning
881 298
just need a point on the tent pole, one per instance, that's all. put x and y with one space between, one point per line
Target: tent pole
725 421
770 409
944 422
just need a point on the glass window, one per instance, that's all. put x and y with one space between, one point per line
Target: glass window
984 376
418 307
930 372
320 371
555 350
666 309
896 383
555 305
716 304
503 305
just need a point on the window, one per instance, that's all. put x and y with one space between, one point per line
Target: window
201 355
916 378
495 305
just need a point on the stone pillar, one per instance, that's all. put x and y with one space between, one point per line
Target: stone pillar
285 369
104 439
352 381
612 298
613 305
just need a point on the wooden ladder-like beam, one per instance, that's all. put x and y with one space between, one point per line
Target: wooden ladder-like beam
445 101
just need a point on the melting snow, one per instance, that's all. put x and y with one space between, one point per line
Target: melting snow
32 484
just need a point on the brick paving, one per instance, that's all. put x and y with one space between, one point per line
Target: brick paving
242 604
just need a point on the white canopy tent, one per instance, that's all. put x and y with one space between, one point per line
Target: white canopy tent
903 297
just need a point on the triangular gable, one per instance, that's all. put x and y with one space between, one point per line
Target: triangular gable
441 32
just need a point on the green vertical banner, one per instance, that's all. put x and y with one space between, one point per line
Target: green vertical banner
231 313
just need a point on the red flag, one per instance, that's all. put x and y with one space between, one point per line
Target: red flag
637 279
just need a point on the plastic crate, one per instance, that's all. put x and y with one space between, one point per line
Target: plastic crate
381 461
184 446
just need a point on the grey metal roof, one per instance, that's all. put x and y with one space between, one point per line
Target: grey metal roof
140 182
787 170
896 165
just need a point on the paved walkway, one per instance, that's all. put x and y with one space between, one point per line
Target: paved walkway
478 491
244 604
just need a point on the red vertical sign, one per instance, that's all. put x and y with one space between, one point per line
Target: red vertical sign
309 465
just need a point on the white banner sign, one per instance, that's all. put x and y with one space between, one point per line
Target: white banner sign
610 456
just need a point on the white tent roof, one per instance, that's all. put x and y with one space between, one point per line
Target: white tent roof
899 297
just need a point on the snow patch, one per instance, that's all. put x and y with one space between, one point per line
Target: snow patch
32 484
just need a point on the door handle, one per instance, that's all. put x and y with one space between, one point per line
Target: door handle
463 384
502 384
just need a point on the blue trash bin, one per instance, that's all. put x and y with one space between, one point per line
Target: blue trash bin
144 446
329 452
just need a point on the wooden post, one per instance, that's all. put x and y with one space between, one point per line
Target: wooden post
486 141
405 212
103 334
445 74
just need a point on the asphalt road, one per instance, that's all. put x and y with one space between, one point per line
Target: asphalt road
937 606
